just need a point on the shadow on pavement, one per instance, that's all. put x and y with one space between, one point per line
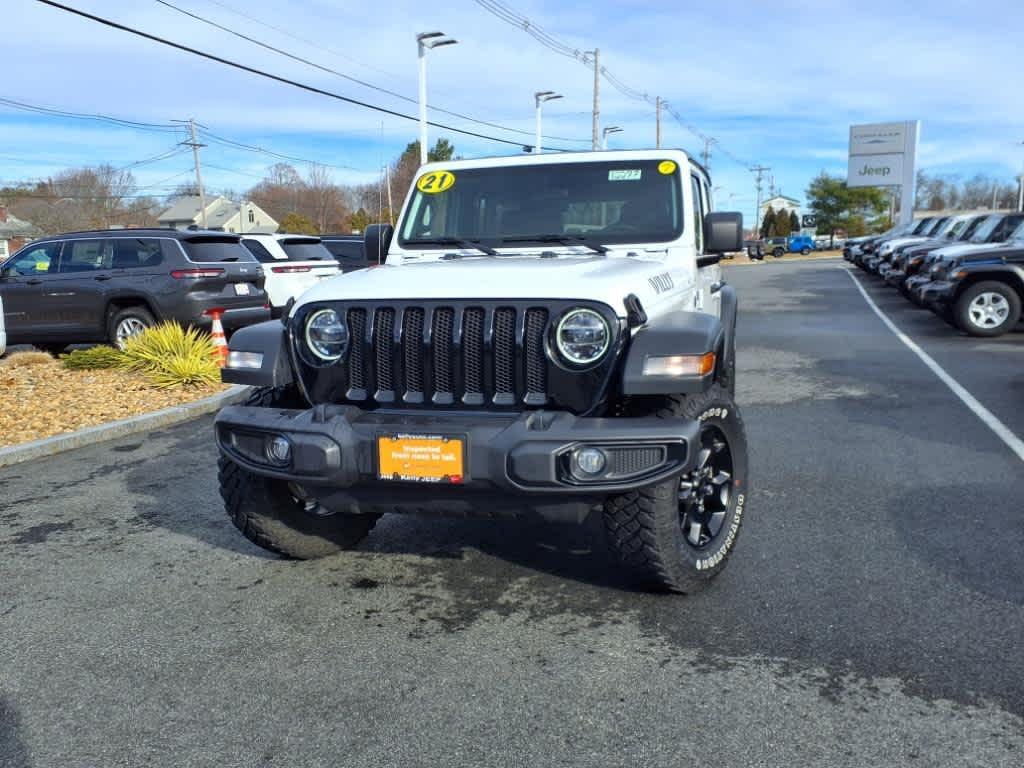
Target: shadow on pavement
13 752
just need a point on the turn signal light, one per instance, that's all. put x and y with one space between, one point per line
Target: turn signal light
680 365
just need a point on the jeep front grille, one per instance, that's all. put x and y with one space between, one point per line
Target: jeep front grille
467 355
471 356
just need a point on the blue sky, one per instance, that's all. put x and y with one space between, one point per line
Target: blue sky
777 83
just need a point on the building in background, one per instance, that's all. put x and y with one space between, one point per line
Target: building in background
779 203
14 232
222 215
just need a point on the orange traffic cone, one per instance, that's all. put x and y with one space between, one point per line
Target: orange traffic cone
220 342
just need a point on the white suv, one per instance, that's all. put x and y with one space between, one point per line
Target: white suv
292 264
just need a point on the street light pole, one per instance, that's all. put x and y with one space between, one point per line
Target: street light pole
539 98
604 134
425 41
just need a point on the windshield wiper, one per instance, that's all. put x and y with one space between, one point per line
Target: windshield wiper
475 245
560 239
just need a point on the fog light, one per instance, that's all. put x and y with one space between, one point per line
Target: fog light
589 461
279 450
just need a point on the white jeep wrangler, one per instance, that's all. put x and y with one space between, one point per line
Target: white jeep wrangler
550 335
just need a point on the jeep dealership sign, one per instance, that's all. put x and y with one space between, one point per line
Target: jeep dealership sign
875 171
884 155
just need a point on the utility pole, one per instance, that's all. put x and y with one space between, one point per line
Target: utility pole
760 170
192 142
657 122
706 154
596 128
426 41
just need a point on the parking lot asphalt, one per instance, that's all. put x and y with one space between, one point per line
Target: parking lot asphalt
872 613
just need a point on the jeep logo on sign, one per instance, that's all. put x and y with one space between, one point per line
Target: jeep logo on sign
661 283
878 170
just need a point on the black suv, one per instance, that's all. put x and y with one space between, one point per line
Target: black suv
349 250
109 285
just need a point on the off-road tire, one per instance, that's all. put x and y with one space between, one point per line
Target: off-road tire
268 513
805 251
643 527
961 313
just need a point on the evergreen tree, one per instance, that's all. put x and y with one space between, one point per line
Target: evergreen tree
768 225
794 222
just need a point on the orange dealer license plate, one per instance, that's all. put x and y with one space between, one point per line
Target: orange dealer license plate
421 458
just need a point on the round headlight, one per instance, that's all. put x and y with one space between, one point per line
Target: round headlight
326 335
582 337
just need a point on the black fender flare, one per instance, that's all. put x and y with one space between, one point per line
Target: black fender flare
269 339
684 333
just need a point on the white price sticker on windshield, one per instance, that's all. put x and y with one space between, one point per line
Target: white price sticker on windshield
629 174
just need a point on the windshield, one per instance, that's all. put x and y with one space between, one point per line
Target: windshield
306 250
985 229
625 201
953 227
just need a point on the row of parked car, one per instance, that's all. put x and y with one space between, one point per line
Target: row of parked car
967 268
109 285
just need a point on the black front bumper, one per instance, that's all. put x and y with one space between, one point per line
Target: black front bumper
335 448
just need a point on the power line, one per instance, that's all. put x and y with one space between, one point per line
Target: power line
586 58
268 75
205 132
344 76
164 127
270 153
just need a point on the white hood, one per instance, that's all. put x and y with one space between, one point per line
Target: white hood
596 277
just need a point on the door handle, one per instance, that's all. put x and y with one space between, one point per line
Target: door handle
102 277
716 287
33 282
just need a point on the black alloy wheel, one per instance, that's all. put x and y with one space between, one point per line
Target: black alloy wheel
705 492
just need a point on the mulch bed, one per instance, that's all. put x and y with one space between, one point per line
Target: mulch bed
41 398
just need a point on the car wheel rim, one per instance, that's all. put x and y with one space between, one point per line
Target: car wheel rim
705 492
128 328
989 310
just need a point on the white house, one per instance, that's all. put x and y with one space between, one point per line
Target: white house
779 203
14 233
222 215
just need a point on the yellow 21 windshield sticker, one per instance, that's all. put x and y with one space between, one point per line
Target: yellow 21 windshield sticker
436 181
665 167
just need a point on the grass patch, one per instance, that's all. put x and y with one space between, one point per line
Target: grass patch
93 358
166 356
169 355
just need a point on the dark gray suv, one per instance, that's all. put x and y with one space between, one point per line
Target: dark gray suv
109 285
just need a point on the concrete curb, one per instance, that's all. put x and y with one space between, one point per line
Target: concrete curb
48 446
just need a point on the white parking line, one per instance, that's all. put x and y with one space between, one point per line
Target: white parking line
987 417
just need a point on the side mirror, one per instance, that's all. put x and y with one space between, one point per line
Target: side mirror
723 232
377 240
6 272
